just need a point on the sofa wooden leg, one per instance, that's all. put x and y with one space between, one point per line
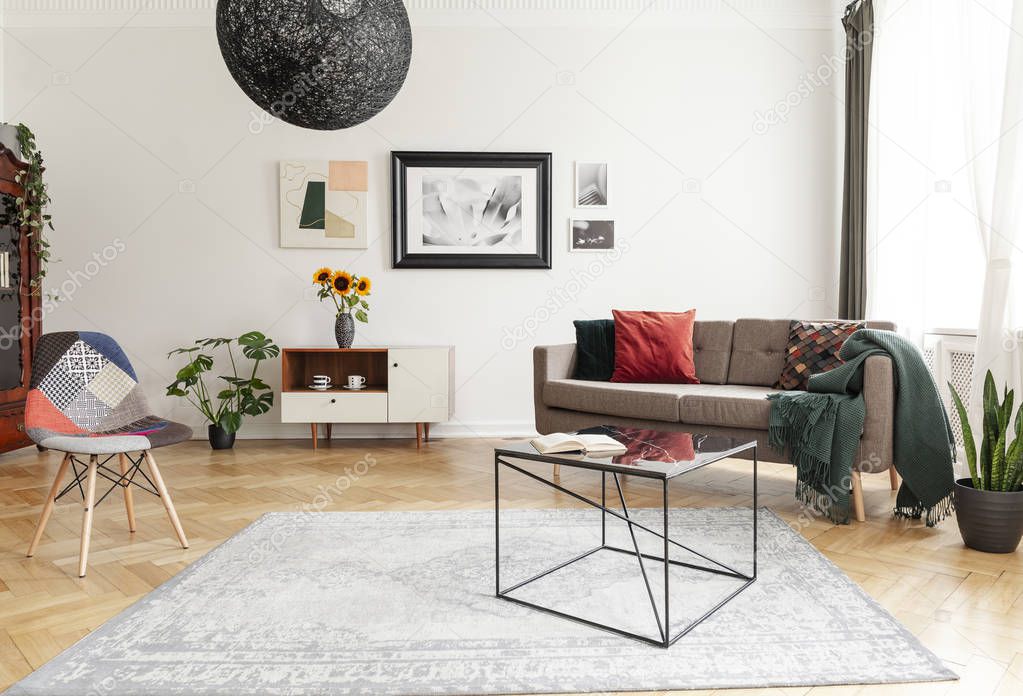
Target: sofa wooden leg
48 506
894 476
857 497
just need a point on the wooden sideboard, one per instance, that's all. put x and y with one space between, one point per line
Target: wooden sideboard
403 385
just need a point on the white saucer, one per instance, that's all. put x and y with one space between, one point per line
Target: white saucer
345 386
319 388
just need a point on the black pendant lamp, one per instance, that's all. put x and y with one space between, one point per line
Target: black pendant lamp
323 64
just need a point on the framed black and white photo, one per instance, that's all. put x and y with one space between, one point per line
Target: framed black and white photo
591 235
591 190
471 209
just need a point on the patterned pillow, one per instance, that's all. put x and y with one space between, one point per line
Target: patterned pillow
813 348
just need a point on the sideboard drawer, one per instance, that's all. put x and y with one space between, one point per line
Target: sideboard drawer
334 407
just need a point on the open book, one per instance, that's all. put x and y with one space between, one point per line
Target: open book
563 442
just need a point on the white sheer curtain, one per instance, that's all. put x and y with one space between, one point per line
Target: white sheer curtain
944 227
998 190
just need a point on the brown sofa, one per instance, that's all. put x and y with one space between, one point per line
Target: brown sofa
737 364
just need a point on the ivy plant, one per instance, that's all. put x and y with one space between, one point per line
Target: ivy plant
33 205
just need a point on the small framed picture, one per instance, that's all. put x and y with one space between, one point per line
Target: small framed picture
591 185
592 235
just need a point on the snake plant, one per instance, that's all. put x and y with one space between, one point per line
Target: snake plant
999 466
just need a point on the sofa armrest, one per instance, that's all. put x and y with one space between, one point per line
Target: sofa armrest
549 362
876 453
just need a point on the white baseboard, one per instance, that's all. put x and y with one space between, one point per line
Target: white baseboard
453 429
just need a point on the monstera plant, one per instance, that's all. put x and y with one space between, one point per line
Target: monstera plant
244 393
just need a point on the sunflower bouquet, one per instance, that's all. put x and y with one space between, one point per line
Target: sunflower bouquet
348 291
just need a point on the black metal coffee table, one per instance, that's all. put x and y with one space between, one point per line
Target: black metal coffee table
659 455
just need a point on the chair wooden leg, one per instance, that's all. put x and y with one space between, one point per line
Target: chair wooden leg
90 503
129 500
161 488
894 476
857 497
48 505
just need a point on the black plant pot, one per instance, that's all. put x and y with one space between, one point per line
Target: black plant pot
989 521
220 438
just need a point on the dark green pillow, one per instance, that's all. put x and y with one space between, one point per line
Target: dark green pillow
594 349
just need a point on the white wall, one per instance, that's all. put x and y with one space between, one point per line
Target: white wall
151 157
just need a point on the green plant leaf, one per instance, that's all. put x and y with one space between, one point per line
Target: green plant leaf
991 413
230 421
256 346
362 316
968 443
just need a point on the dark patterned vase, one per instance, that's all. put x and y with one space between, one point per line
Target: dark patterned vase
344 330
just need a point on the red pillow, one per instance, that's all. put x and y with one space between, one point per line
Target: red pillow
654 347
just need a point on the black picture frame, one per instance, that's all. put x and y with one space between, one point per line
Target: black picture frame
401 161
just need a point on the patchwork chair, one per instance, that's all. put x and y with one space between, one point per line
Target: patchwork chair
85 399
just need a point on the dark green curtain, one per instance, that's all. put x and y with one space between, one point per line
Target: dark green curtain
859 39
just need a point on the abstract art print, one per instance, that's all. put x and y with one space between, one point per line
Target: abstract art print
471 210
323 204
591 190
592 235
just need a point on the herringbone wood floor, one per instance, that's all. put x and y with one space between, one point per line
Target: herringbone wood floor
964 605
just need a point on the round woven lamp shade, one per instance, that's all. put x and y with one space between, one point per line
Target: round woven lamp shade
323 64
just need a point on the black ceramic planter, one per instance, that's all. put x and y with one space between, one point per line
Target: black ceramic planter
220 438
989 521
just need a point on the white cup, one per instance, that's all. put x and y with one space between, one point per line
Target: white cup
321 380
356 381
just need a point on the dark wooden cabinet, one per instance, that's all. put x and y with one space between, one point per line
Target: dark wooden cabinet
20 308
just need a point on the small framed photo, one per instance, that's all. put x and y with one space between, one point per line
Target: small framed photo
592 235
591 185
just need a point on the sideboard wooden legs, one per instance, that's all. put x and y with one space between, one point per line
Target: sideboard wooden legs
422 433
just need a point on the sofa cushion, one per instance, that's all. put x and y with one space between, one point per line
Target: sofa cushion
595 349
712 349
813 348
654 347
758 351
726 405
647 401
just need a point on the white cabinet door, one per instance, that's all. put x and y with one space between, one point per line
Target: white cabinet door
418 385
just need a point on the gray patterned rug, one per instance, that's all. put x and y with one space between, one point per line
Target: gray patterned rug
402 603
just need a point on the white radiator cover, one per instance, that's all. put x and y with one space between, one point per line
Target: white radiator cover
949 355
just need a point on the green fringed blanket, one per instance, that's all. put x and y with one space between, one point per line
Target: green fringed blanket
821 429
